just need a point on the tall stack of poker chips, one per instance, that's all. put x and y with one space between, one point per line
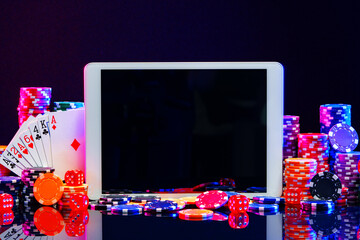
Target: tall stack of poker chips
11 185
28 177
33 101
66 105
298 174
341 202
346 169
291 128
350 221
330 115
3 170
316 146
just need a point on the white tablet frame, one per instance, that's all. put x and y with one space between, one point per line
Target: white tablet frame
92 93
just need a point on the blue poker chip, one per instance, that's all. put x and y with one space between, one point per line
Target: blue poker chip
161 206
269 200
9 179
265 213
144 198
116 197
127 209
317 205
258 207
343 137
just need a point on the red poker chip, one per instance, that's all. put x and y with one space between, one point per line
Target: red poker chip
211 199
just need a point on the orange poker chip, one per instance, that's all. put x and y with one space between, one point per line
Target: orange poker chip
48 189
49 221
189 200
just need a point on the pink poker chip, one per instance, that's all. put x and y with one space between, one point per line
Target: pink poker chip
212 199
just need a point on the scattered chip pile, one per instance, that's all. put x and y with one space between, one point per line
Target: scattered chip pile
330 115
298 174
315 146
66 105
346 168
3 170
33 101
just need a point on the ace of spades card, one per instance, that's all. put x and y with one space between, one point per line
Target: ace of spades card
67 133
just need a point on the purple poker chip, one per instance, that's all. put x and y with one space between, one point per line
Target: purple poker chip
343 137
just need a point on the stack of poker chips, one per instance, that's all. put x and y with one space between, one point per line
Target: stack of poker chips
3 170
28 177
350 221
346 168
330 115
64 202
298 174
342 200
291 128
316 146
297 224
33 101
66 105
11 185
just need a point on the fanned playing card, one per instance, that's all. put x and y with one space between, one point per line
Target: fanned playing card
28 141
45 137
67 140
35 133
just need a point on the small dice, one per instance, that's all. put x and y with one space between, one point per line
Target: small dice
74 177
293 196
79 217
73 230
6 217
238 220
227 182
6 201
238 203
78 201
293 212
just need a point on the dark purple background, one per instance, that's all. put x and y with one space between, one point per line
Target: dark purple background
43 44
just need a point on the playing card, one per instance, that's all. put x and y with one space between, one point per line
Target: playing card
35 133
28 141
12 158
22 149
67 140
11 163
12 233
42 122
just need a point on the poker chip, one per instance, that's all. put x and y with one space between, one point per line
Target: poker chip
180 203
94 205
343 137
127 209
317 205
258 207
67 105
269 200
9 179
113 202
325 186
211 199
116 197
325 224
160 206
195 214
48 189
145 198
162 214
49 221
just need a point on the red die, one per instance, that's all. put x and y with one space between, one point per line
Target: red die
238 220
6 217
238 203
79 217
293 212
78 201
74 177
73 230
293 195
6 201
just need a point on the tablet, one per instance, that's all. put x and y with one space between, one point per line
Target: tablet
169 127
